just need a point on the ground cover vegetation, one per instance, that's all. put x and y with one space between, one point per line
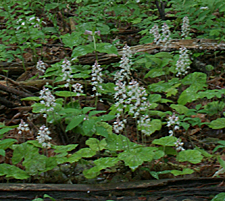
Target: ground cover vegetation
106 112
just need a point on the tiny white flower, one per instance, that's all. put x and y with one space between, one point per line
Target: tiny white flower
183 62
23 127
204 8
185 29
43 137
171 132
96 78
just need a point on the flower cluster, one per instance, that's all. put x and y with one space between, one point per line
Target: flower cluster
144 124
120 95
165 33
155 31
77 88
96 78
67 72
118 125
173 122
23 127
125 65
179 145
185 29
164 37
131 98
43 137
32 20
136 100
48 100
183 63
41 66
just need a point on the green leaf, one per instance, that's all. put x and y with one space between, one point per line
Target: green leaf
12 171
82 50
47 196
107 88
219 197
64 148
214 32
217 124
103 129
92 113
157 87
153 126
119 142
154 98
171 91
155 174
24 151
181 109
92 172
103 163
137 20
162 86
155 73
211 93
82 153
188 95
75 121
95 144
222 162
136 156
183 172
185 125
196 79
87 109
35 164
38 199
6 143
106 48
89 127
37 107
66 93
71 40
33 98
106 117
203 152
51 162
2 152
5 130
192 156
166 141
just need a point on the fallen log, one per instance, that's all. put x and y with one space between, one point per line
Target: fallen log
194 189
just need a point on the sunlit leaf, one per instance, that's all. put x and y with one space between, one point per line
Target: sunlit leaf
95 144
75 121
183 172
181 109
136 156
106 48
165 141
219 197
192 156
217 124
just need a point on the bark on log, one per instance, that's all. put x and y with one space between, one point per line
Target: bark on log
195 189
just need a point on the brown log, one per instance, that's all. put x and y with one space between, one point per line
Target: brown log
194 189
